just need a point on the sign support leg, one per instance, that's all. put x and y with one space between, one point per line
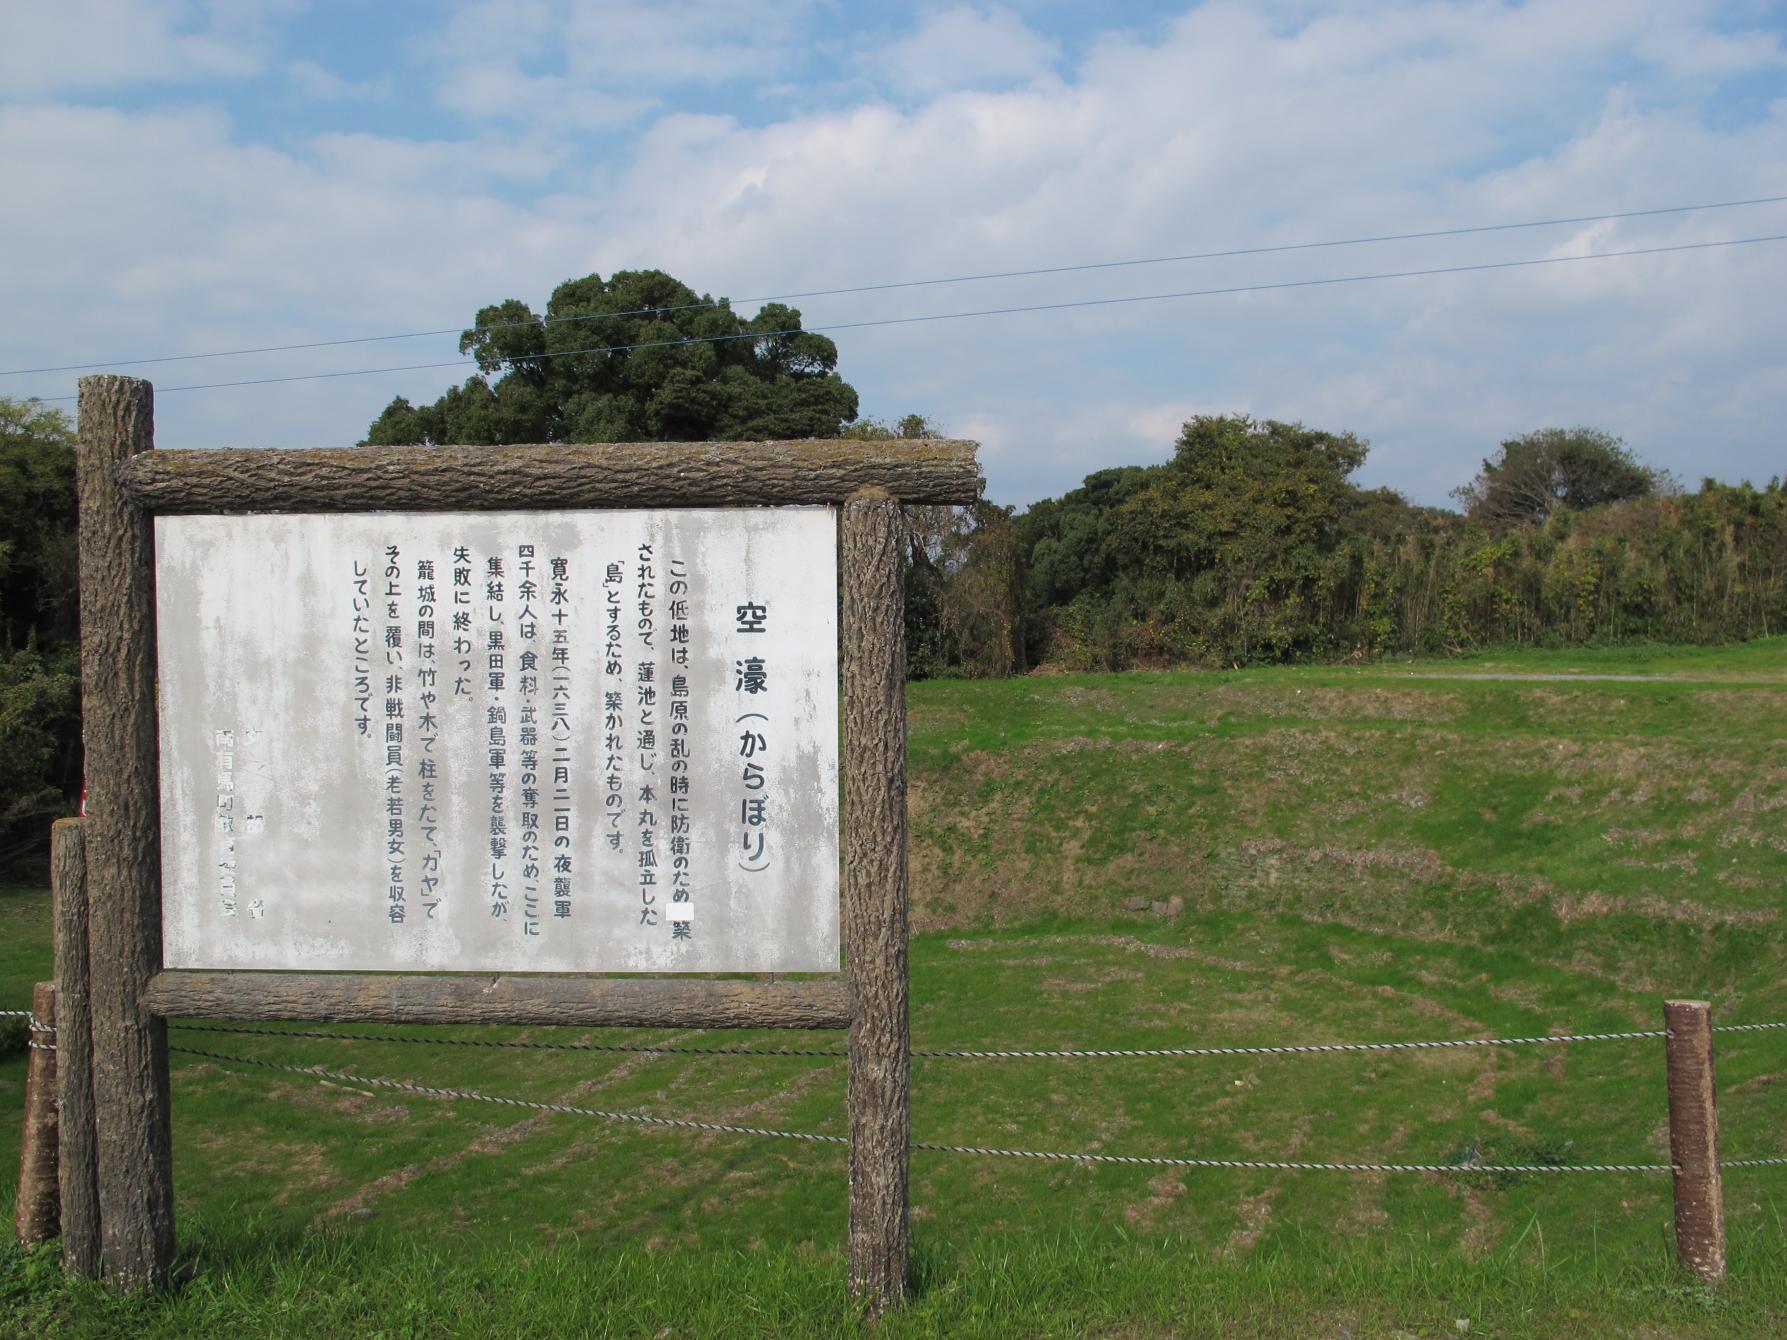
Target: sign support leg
76 1164
39 1211
880 1095
130 1057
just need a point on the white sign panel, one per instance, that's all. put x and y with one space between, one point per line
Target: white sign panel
500 741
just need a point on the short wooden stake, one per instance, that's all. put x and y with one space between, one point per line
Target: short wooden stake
38 1208
123 837
1694 1139
880 1085
77 1158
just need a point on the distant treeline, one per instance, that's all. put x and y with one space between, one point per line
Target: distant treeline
1252 544
40 724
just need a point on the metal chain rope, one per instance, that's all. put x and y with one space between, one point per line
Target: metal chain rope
34 1025
642 1119
980 1055
1052 1156
1302 1049
1290 1166
317 1072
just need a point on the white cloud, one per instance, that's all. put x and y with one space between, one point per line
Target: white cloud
1231 131
572 68
226 245
964 47
79 45
670 43
310 80
1678 39
500 91
1231 126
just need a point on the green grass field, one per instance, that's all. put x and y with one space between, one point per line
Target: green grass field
1392 852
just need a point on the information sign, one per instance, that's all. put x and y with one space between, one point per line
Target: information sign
583 741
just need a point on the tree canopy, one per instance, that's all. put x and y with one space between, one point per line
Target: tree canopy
636 357
37 524
1533 475
40 732
964 593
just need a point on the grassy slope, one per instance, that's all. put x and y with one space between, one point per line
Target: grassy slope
1360 854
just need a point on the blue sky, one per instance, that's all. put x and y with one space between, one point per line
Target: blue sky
186 177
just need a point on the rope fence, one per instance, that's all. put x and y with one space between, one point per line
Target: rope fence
1467 1165
405 1086
1062 1054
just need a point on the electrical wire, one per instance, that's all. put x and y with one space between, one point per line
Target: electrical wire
1028 309
1222 254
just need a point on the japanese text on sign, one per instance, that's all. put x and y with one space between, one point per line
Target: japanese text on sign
594 741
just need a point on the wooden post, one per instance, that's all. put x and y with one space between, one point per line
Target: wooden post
1694 1139
77 1159
123 849
37 1215
880 1092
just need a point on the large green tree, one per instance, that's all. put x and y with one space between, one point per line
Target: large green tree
1240 547
636 357
1537 473
40 732
37 524
964 577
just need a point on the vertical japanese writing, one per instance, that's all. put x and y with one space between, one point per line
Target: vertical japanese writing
751 678
396 893
224 743
237 815
496 722
614 803
562 762
426 675
646 732
462 622
362 602
527 684
682 909
514 741
561 738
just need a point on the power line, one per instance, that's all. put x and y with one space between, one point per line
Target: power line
1223 254
993 311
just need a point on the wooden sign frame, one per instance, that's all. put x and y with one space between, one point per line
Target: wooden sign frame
123 483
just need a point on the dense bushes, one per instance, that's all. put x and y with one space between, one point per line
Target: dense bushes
40 729
1252 544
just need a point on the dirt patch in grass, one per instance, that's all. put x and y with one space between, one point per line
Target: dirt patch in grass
1321 702
1479 1224
288 1167
1743 703
490 1142
1256 1214
1676 911
1141 1215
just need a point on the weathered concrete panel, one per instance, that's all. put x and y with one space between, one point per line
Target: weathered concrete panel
505 741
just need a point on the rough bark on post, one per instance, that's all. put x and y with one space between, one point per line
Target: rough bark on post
468 998
1694 1139
77 1166
130 1059
552 475
880 1092
37 1216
